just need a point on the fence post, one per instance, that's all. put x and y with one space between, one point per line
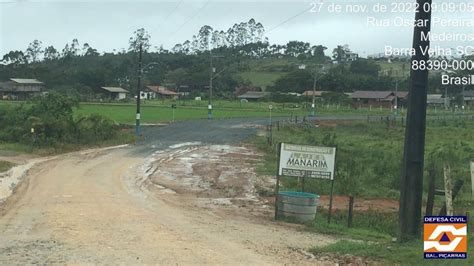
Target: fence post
351 207
431 192
456 189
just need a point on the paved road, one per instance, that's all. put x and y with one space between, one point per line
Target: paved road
88 207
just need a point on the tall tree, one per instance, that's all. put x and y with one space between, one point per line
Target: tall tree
14 58
338 53
91 52
296 48
204 36
50 53
318 51
34 51
140 36
74 48
71 50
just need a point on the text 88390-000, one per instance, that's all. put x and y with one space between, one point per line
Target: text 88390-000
437 64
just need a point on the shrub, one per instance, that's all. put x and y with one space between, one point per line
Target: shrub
94 128
51 117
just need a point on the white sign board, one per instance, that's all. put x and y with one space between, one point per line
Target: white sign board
307 161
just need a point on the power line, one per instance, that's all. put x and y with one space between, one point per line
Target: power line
190 18
174 9
167 16
289 19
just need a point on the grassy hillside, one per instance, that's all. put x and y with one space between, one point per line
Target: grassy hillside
264 72
261 79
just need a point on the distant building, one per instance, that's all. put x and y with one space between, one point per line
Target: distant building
20 89
384 99
349 57
244 89
293 94
437 100
468 97
402 98
115 93
153 92
253 95
317 94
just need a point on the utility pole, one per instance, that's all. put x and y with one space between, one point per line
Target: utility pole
315 79
462 91
209 106
140 70
313 106
411 183
396 97
445 98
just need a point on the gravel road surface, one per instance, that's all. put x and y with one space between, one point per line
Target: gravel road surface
91 207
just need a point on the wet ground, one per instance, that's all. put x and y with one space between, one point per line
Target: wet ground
186 194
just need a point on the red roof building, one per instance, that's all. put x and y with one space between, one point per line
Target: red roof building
160 91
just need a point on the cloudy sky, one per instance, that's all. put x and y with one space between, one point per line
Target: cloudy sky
106 25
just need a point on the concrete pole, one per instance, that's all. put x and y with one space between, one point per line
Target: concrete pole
411 182
140 70
313 106
209 107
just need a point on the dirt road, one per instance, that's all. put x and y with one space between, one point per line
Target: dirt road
91 207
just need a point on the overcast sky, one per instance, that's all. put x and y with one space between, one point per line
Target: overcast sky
107 25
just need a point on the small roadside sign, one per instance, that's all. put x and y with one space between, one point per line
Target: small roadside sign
270 107
304 161
307 161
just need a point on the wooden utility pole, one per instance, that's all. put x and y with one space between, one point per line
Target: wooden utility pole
448 189
411 183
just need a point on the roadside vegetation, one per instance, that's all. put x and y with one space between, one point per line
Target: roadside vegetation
48 125
369 158
371 153
5 166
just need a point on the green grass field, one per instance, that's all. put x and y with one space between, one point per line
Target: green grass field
157 111
374 152
155 114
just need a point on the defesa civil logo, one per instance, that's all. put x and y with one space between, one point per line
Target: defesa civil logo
445 237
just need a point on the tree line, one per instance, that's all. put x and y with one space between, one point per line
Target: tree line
245 38
79 69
